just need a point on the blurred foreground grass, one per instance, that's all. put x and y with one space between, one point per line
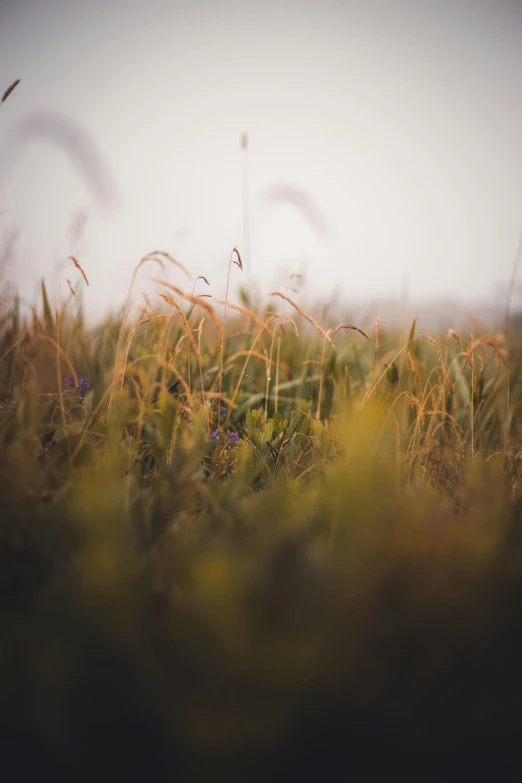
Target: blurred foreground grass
256 546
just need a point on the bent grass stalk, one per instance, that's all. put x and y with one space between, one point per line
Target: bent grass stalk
321 381
277 371
157 257
251 352
238 263
268 377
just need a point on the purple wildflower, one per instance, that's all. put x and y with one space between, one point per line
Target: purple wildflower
83 387
234 437
68 380
215 435
223 410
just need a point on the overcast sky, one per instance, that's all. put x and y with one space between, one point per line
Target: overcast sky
385 141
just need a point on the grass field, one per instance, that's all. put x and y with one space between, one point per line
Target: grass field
239 542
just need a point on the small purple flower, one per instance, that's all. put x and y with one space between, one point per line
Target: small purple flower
68 380
234 437
83 387
223 410
215 435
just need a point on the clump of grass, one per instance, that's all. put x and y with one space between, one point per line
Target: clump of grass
236 561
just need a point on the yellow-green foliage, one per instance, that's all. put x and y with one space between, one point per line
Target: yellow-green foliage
338 585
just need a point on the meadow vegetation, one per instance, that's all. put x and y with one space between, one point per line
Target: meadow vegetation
239 542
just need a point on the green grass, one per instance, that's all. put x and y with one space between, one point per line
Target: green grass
305 555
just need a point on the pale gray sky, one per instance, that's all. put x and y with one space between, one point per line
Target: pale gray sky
400 121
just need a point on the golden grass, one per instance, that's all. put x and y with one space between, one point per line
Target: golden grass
79 267
196 300
304 315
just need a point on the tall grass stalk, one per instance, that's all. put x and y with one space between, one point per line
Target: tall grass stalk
237 261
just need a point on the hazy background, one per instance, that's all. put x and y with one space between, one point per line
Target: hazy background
385 143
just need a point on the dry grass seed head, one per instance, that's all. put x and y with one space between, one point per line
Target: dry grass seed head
412 399
377 331
197 300
441 360
200 277
79 267
454 334
439 352
349 326
238 263
304 315
9 90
